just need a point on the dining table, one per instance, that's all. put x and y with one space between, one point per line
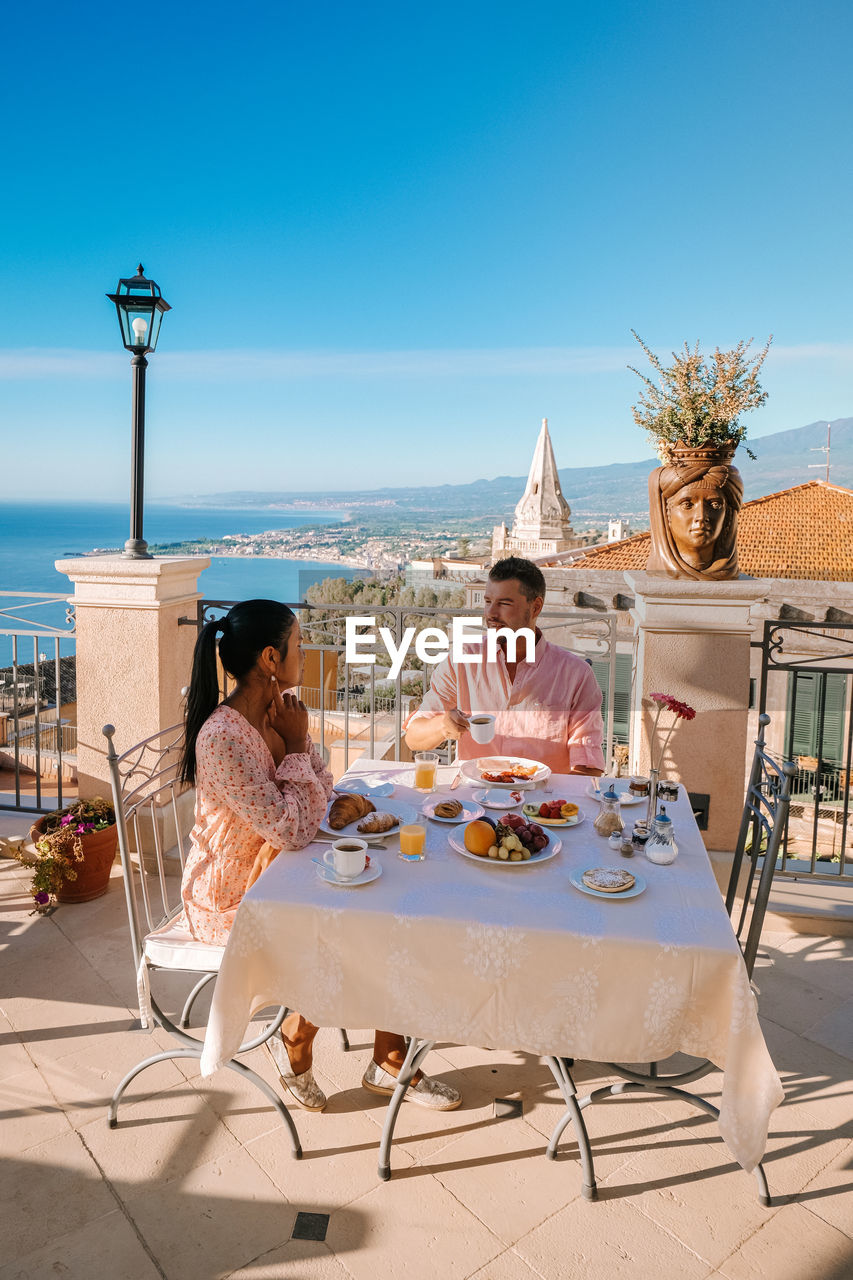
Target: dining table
507 955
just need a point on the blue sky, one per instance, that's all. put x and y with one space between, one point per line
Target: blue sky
396 236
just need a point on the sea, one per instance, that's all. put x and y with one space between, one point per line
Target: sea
33 535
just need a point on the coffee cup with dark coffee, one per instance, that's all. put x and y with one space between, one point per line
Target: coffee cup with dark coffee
481 727
346 857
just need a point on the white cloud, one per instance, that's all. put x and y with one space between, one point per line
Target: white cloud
37 363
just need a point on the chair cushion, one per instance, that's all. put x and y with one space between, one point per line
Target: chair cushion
172 946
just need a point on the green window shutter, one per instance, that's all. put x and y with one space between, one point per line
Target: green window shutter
622 693
803 728
802 725
833 717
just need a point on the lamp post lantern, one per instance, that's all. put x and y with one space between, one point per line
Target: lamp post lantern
140 308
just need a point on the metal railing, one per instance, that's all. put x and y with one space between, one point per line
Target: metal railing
36 654
817 839
365 712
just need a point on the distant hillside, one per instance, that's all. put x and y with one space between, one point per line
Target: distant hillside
783 459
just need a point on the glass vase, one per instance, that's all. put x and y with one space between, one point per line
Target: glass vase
651 813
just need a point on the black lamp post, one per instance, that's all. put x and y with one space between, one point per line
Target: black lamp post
140 310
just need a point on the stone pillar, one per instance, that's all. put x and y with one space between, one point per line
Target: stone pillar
692 640
132 657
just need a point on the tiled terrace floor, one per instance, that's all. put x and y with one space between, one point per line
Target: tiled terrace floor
197 1181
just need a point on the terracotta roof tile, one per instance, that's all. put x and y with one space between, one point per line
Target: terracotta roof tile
803 532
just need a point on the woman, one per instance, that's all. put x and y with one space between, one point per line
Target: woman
261 787
694 508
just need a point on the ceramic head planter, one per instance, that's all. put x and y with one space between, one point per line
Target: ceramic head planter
692 413
693 504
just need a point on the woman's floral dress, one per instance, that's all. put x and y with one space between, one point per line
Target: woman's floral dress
242 800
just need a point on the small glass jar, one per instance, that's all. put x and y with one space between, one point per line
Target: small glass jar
640 836
660 846
609 819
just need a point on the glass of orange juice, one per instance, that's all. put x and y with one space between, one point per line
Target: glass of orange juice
426 763
413 842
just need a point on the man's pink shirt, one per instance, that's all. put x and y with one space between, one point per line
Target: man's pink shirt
550 712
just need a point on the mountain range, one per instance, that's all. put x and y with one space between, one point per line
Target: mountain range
784 459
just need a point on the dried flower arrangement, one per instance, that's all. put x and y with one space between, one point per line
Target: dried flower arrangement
699 403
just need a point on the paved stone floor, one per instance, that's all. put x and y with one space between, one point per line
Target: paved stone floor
197 1180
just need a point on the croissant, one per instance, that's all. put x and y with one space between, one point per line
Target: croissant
347 809
378 822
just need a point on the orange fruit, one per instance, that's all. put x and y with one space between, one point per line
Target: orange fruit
479 837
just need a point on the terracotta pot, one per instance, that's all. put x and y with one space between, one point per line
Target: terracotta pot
93 873
718 453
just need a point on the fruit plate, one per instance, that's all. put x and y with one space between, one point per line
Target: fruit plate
457 842
473 771
405 812
470 810
552 822
622 792
637 887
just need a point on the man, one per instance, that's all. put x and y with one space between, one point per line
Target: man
548 709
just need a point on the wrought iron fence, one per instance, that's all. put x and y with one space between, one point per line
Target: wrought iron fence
819 831
37 679
366 713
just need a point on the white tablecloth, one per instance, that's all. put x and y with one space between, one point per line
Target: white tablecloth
509 957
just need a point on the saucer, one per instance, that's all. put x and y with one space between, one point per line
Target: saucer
367 784
497 799
373 872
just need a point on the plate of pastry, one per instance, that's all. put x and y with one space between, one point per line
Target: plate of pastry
449 809
512 772
360 816
608 882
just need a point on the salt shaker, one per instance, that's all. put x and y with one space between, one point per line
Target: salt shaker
660 846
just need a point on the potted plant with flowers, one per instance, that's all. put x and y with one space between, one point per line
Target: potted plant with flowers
693 416
75 848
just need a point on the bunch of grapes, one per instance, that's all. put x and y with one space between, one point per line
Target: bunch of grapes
517 840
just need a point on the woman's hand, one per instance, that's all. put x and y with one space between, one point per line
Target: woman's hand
289 717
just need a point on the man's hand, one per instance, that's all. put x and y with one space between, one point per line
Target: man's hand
289 717
454 724
427 732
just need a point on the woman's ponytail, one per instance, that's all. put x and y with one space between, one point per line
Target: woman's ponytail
246 629
203 696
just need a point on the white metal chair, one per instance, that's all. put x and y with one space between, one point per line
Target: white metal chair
765 817
147 799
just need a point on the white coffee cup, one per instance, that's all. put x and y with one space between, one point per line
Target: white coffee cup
481 726
346 857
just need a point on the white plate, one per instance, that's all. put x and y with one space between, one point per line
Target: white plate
473 770
373 872
548 824
637 887
470 811
498 799
405 812
457 842
622 792
365 784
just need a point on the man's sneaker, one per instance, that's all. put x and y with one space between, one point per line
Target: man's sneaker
304 1087
427 1092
